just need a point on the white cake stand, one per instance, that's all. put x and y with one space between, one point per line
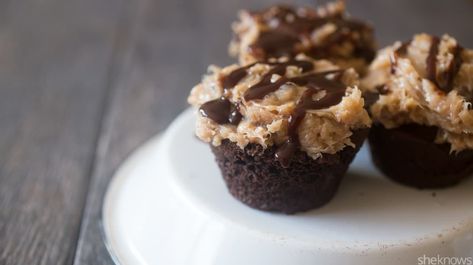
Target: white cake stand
169 205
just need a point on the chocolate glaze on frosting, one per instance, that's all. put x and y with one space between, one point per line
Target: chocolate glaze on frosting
238 74
284 33
399 52
265 86
334 89
431 61
371 97
429 83
442 81
322 32
235 76
445 80
310 106
222 111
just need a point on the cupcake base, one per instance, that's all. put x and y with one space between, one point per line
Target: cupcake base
257 179
408 155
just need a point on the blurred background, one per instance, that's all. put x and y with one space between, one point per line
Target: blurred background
83 83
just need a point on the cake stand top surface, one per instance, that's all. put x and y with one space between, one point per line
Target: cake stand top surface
369 211
170 191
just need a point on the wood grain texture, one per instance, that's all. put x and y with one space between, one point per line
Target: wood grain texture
54 60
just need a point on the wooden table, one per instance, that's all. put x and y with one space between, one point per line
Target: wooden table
83 83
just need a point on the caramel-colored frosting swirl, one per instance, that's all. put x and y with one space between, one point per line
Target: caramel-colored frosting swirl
311 105
429 81
327 32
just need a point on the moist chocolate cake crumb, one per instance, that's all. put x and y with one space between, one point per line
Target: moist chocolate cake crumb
256 178
409 155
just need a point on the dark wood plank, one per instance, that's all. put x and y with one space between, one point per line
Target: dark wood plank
54 60
172 45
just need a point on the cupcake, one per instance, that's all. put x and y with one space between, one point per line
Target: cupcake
284 131
323 33
422 134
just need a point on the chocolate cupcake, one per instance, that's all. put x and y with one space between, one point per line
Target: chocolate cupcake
284 131
326 32
423 119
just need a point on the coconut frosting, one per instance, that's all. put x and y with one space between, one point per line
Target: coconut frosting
427 81
265 118
325 32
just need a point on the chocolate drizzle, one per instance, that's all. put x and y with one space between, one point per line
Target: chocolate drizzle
222 111
288 27
382 89
274 43
265 86
431 61
401 51
344 33
235 76
334 89
371 97
444 80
